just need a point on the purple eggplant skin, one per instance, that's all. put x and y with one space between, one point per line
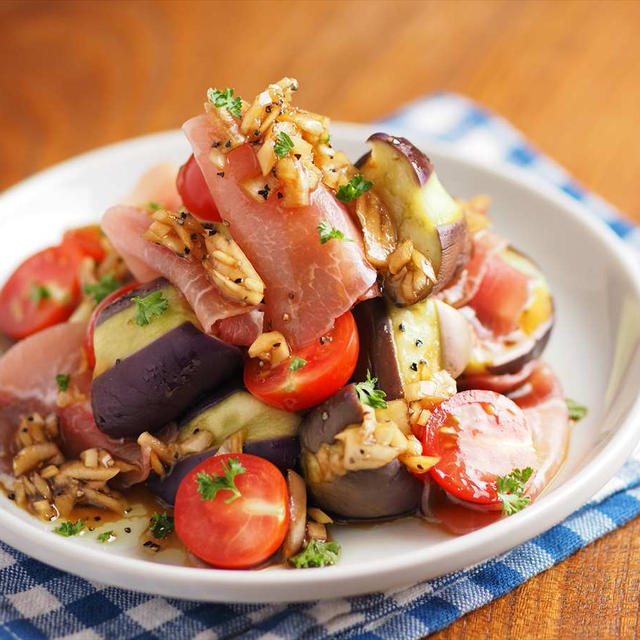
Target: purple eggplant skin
281 452
166 488
377 352
419 161
125 300
157 384
515 364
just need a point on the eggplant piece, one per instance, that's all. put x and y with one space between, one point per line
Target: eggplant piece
383 492
146 376
402 346
424 214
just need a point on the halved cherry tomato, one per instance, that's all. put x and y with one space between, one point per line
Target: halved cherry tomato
41 292
478 436
91 327
312 374
194 191
234 530
87 240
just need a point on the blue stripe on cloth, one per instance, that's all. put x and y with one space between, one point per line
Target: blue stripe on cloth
37 601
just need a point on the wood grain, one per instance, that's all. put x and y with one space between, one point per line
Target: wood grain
74 76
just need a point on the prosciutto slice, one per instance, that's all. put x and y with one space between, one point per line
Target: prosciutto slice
28 384
308 284
125 226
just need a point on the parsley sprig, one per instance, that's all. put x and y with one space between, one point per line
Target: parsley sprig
354 188
283 145
297 363
161 525
210 484
107 284
38 292
369 395
511 490
150 307
316 554
105 536
224 99
327 232
68 529
576 410
62 380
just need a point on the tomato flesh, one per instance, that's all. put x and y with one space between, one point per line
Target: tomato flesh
478 436
194 191
91 327
86 240
329 363
240 533
41 292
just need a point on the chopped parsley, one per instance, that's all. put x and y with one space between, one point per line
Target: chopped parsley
369 395
101 289
316 554
39 292
225 99
62 380
105 537
154 206
68 529
150 307
576 411
161 525
327 232
283 145
354 188
210 484
297 363
511 490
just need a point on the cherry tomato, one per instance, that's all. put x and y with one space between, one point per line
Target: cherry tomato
41 292
91 327
194 191
234 530
478 436
312 374
86 240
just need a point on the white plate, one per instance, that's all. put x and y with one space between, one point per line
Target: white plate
594 349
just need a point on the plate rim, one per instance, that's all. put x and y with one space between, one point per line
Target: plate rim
218 585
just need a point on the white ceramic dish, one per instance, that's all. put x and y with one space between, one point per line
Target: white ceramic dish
595 349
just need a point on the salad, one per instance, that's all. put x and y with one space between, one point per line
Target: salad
274 341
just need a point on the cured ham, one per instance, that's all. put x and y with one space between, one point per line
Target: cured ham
157 184
28 384
125 226
308 284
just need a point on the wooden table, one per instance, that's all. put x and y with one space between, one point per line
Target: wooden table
74 76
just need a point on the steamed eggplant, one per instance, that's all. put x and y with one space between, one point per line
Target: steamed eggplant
148 374
351 476
406 347
431 226
265 431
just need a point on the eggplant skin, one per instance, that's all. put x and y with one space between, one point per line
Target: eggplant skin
281 452
158 383
370 493
516 364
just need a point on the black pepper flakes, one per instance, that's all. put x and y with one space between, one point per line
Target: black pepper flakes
220 173
97 518
297 156
183 215
291 295
227 144
30 418
187 251
418 342
152 546
215 144
268 108
414 366
127 529
238 280
212 232
194 236
11 496
402 327
279 195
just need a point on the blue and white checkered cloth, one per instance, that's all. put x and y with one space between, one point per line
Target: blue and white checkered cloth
37 601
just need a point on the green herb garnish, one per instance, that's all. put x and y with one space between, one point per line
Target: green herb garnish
161 525
62 380
354 188
225 99
297 363
283 145
576 411
369 395
154 206
327 232
150 307
101 289
511 490
210 484
104 537
316 554
39 292
68 529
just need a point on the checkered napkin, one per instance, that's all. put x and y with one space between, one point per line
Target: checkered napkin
38 601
